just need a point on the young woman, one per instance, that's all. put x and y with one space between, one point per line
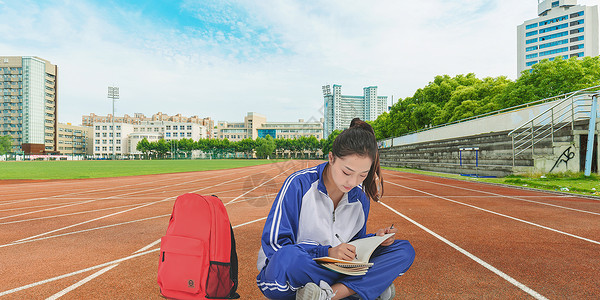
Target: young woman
317 209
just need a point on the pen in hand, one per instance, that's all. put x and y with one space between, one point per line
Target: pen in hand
391 227
341 241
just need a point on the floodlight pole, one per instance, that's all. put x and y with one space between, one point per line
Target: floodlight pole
113 93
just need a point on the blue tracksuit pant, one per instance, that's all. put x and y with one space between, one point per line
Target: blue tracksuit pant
290 268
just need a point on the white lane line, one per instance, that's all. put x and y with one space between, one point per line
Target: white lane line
76 272
478 260
89 278
113 214
71 214
80 283
112 188
82 231
254 221
46 205
110 263
114 262
503 196
80 192
242 195
149 246
92 220
127 210
47 209
499 214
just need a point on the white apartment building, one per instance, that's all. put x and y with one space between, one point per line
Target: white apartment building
139 118
341 109
125 136
562 28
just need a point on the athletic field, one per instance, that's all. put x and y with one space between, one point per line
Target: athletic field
99 238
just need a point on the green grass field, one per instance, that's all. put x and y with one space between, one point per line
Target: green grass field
575 183
98 168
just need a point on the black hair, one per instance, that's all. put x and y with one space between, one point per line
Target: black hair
360 139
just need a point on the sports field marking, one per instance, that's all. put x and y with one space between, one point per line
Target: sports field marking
92 220
70 214
76 272
242 195
478 260
89 278
8 202
499 214
114 188
127 210
110 263
80 283
47 209
113 214
252 198
504 196
45 205
81 231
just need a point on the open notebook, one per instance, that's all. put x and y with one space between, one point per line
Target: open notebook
360 265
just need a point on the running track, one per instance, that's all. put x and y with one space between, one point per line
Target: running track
98 238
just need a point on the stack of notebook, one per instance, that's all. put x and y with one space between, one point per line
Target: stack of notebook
360 265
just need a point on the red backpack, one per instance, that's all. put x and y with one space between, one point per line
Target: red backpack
197 255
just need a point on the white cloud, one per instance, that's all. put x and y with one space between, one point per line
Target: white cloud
274 58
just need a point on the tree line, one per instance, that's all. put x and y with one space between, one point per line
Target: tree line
267 147
447 99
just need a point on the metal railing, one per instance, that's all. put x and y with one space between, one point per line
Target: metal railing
574 107
496 112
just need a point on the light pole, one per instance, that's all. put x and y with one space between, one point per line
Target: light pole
113 93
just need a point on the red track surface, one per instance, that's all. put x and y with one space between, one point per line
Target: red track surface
76 238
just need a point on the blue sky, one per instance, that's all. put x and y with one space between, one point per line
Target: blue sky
222 59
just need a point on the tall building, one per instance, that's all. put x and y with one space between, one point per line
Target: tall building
341 109
28 103
562 28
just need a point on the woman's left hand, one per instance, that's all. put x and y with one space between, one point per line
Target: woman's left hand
384 231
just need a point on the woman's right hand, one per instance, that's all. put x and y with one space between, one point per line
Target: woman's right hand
343 251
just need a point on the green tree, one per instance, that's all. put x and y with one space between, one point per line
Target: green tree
143 146
265 146
328 143
161 148
246 146
5 144
447 99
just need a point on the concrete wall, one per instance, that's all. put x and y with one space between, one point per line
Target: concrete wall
496 123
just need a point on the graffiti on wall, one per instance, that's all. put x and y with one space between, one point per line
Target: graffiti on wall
565 157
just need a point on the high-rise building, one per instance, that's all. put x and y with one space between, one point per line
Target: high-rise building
341 109
28 103
562 28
